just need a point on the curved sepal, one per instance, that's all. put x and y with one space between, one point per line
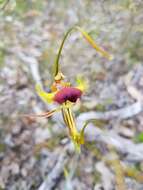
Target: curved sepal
46 97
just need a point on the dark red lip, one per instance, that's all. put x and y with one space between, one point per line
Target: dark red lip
67 93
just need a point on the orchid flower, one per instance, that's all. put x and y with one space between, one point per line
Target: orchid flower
64 94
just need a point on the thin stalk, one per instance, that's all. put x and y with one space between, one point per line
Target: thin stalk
60 50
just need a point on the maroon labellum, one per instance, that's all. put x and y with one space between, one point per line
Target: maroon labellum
67 94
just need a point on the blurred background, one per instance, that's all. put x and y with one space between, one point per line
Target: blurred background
37 154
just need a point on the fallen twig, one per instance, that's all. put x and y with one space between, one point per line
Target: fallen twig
106 175
122 113
52 178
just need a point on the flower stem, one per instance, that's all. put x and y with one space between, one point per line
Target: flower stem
60 50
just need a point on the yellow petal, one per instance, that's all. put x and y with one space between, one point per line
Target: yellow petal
82 84
91 42
46 97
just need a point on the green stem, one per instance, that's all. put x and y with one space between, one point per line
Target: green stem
60 50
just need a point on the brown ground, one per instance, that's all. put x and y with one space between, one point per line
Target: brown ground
34 152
